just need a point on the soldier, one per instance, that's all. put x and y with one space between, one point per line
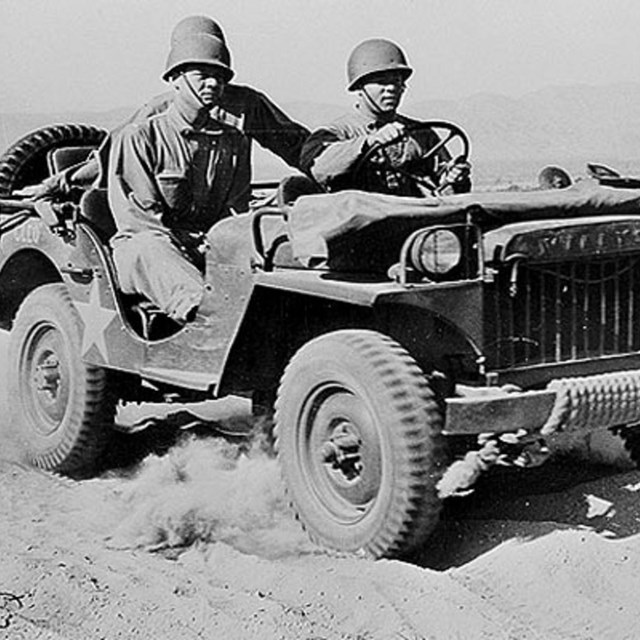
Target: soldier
245 108
377 71
174 174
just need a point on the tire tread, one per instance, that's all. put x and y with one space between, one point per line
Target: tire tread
419 426
88 432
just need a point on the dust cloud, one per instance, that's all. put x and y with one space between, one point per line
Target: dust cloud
9 449
204 491
201 491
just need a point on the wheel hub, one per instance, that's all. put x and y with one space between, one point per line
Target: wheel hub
47 375
46 379
342 450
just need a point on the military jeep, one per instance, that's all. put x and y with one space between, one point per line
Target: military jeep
404 344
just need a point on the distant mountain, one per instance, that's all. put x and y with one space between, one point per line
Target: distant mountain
569 121
568 125
511 137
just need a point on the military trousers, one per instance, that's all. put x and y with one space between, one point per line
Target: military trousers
154 264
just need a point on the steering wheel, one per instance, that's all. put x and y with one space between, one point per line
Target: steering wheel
451 138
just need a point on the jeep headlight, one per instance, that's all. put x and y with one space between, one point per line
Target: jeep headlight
436 252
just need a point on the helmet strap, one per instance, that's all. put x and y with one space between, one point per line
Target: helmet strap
373 106
190 100
192 91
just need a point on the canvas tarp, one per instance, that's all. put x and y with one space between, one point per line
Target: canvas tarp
317 222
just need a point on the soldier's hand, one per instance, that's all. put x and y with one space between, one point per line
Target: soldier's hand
386 134
456 177
49 188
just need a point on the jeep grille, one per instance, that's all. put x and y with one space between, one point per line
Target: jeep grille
548 313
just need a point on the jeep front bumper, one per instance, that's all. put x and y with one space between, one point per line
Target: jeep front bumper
581 403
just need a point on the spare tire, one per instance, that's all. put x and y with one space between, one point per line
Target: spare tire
25 161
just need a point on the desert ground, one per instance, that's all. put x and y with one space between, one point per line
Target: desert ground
185 534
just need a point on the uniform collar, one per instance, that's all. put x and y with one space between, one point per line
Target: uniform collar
373 120
190 122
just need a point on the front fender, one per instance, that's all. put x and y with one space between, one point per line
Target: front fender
459 303
288 308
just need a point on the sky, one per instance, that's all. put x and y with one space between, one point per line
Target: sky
58 55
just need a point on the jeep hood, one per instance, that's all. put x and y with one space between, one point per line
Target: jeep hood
326 224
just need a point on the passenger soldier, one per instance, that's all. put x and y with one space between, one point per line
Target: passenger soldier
242 107
172 175
377 71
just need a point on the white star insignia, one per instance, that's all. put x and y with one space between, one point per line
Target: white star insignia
95 319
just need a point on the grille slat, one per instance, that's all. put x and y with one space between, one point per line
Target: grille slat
562 312
603 311
574 312
616 314
543 328
557 334
630 313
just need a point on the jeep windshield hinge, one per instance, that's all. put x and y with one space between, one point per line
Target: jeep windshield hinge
515 260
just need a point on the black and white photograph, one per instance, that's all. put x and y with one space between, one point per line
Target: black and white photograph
319 320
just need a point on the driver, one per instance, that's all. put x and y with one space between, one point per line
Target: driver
340 155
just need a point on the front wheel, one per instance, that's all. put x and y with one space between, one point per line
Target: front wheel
358 435
62 409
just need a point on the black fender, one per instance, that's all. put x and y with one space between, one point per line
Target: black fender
278 320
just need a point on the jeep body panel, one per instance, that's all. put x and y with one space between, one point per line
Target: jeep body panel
436 315
81 261
450 300
456 326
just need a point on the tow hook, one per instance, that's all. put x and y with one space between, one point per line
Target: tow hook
520 449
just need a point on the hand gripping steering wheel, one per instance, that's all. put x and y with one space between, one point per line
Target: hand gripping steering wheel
451 138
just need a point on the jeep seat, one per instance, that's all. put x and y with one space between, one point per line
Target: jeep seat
94 206
66 157
292 187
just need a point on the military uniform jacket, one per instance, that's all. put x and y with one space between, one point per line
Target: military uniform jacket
334 155
168 173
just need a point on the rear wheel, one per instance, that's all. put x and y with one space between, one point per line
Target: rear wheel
62 408
358 435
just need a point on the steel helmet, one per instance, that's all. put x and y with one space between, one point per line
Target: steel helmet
553 177
191 25
199 48
372 56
